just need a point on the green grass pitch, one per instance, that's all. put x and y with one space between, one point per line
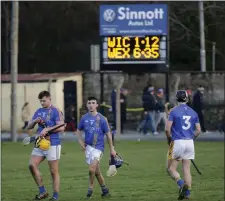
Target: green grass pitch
144 179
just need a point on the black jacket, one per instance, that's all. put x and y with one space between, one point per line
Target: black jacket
197 102
160 104
148 100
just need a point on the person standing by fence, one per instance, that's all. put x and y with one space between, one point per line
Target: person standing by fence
149 104
160 108
25 114
198 106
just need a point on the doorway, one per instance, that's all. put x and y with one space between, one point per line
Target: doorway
70 99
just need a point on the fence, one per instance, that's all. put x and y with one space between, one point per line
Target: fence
212 82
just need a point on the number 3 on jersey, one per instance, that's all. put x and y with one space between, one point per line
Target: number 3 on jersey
187 123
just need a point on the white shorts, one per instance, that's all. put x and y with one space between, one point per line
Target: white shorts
181 149
52 154
92 154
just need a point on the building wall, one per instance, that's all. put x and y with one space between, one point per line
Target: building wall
25 92
29 92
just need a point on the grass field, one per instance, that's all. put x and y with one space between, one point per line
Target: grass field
145 178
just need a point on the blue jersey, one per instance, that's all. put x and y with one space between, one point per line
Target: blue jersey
50 116
95 128
184 119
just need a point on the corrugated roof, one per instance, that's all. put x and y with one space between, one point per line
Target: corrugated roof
37 76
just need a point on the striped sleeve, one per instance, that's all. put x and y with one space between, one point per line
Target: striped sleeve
58 115
106 127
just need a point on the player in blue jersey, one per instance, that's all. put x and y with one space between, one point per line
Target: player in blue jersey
47 118
95 126
181 129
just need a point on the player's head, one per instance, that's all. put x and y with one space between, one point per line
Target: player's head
160 92
182 96
45 98
92 104
201 89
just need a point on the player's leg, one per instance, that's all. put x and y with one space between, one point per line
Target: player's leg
187 178
93 157
53 157
172 171
36 158
172 155
186 164
92 170
101 181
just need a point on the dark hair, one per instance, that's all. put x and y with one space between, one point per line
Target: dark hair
42 94
92 98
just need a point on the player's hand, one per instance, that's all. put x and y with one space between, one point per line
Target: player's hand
169 139
83 148
44 132
38 120
113 152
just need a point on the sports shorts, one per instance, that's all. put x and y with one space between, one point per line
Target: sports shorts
92 154
181 149
52 154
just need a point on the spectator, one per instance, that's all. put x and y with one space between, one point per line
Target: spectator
123 106
160 108
198 106
25 114
189 103
149 105
70 118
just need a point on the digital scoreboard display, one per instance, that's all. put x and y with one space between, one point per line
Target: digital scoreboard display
134 49
133 34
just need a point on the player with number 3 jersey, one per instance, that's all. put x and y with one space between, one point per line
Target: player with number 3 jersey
181 130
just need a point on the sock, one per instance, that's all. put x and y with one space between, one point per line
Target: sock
55 195
180 182
188 192
104 189
90 190
42 189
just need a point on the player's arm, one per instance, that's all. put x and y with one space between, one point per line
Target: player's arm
80 139
59 120
197 127
169 123
108 134
168 129
79 133
34 121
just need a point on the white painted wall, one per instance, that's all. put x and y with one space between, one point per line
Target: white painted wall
29 92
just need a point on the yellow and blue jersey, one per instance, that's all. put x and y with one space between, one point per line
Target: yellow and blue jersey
95 128
50 116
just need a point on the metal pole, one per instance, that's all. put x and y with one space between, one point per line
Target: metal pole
14 67
118 112
101 87
7 69
202 36
213 56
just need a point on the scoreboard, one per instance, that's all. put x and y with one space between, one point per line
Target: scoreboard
134 49
133 34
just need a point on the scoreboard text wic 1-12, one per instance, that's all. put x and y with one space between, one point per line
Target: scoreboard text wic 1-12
133 49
